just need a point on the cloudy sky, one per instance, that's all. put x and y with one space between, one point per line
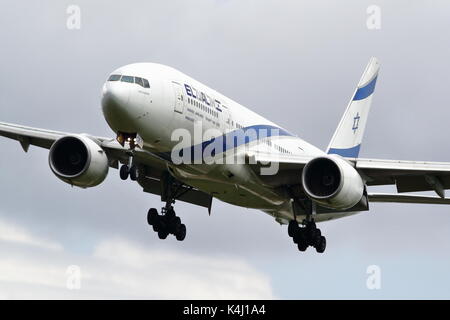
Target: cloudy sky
296 63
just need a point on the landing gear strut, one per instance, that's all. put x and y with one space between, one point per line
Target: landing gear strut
308 234
129 169
166 223
130 138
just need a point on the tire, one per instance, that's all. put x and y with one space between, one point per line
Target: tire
162 234
317 238
181 233
134 173
302 246
177 222
175 225
152 216
321 245
296 237
292 228
300 236
124 172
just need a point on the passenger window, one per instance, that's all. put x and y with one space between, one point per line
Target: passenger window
114 77
139 81
146 84
127 79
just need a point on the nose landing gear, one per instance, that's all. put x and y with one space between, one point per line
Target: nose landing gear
130 138
129 171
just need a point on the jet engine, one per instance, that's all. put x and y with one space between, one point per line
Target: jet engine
78 160
332 182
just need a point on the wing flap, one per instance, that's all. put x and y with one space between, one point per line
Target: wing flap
406 198
401 166
408 176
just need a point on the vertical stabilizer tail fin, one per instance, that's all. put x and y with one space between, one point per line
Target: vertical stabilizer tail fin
348 136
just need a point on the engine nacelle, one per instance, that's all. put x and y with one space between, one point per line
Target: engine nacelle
332 182
79 161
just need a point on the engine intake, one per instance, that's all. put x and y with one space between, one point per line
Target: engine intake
332 182
79 161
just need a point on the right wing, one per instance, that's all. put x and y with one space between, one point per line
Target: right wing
406 198
152 167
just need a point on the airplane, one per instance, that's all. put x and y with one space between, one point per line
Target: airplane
296 183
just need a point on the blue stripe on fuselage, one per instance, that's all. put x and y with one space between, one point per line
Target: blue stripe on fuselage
365 91
236 138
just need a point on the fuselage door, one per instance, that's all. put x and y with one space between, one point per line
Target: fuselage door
179 97
225 120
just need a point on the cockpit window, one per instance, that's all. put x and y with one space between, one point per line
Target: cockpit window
114 77
127 79
139 81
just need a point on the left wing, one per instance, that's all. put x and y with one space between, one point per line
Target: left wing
408 176
406 198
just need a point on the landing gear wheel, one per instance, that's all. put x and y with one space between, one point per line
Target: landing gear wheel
176 223
134 173
292 228
162 234
307 235
300 237
321 245
124 172
317 238
181 232
302 246
152 216
166 221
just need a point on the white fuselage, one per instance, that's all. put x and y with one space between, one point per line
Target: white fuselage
176 101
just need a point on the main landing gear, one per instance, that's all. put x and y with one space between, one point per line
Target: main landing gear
308 235
166 223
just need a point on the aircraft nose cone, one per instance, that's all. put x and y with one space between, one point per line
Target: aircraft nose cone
115 103
115 97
